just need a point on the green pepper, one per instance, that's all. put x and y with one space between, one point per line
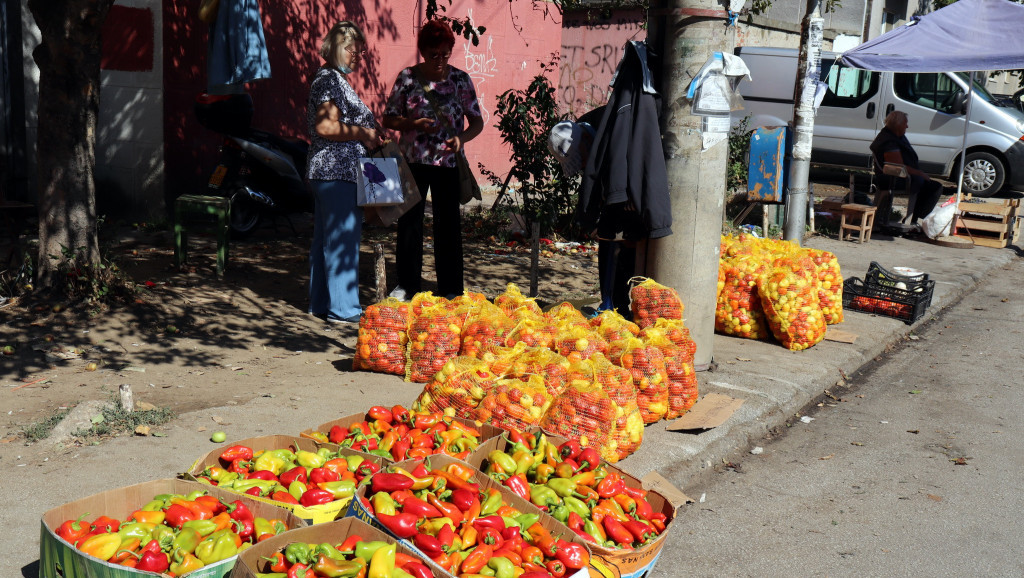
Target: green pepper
502 566
383 504
399 573
562 486
164 535
141 530
337 568
543 496
329 550
186 541
298 553
527 520
309 459
218 546
354 461
325 453
204 527
272 461
505 463
491 504
559 512
153 506
382 563
366 550
381 453
576 505
340 489
591 528
486 571
244 486
511 523
296 489
191 497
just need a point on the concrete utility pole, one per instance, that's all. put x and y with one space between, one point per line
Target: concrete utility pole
808 72
686 33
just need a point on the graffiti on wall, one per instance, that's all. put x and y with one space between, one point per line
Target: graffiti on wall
481 67
589 55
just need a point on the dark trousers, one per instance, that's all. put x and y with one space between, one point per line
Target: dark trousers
616 263
443 183
928 193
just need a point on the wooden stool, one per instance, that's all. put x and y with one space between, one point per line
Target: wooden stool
867 220
202 212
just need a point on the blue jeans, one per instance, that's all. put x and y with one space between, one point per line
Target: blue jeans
334 256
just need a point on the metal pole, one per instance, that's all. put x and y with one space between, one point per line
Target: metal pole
808 73
963 145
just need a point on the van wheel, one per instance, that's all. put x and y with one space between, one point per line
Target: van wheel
984 175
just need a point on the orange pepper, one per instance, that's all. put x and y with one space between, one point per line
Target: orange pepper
473 512
148 517
508 511
418 453
477 559
403 559
125 551
464 428
468 536
542 539
200 511
215 505
587 492
585 478
462 471
532 554
222 519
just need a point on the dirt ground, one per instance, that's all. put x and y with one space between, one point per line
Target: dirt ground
192 341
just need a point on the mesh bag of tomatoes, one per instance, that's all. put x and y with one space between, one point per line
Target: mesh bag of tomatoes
789 295
565 315
682 379
383 335
577 342
354 557
549 365
627 431
612 326
572 484
171 534
646 364
678 334
738 310
435 336
458 388
830 285
288 475
534 331
515 403
470 298
486 328
650 300
583 412
515 304
465 529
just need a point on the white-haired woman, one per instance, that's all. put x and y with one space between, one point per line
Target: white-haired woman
891 146
341 129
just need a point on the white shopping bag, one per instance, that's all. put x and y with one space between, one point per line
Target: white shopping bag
379 182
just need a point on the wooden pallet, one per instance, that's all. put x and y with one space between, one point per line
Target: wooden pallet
991 223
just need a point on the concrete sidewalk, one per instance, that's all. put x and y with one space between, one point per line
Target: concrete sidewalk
775 383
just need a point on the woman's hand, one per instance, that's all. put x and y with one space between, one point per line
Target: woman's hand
371 138
425 125
454 143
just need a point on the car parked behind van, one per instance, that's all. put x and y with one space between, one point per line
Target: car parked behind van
857 101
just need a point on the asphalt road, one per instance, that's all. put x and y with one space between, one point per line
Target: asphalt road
914 469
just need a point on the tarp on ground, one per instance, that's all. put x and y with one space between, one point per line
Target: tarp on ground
965 36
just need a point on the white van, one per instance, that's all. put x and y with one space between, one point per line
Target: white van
857 102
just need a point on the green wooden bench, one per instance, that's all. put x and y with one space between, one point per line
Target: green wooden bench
202 212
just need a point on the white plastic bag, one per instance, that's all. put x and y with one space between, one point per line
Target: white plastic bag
939 222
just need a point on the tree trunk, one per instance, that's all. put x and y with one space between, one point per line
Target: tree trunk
69 96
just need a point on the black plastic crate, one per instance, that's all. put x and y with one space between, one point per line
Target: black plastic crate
878 275
906 304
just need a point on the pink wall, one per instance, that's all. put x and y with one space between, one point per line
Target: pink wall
590 52
518 38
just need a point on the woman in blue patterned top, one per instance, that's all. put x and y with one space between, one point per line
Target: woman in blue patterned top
341 128
431 104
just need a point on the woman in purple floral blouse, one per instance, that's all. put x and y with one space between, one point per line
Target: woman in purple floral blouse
431 105
341 127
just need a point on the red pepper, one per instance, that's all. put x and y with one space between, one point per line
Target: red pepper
617 532
254 491
589 459
315 497
399 414
379 412
429 545
424 440
575 522
400 449
492 521
419 508
236 453
570 449
74 530
337 434
416 569
509 533
635 493
425 420
401 525
240 467
518 485
446 535
490 536
462 499
153 561
321 475
643 508
360 426
573 555
571 463
296 474
454 482
556 568
515 436
658 521
176 515
299 571
420 470
385 482
446 509
611 485
641 532
241 514
350 543
367 468
261 475
277 562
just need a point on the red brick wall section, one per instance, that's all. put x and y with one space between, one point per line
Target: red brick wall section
128 39
519 36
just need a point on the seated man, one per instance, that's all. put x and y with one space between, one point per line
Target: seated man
891 146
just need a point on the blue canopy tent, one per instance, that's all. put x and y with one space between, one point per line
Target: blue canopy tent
966 36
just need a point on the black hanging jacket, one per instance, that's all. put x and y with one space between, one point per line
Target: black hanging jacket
626 162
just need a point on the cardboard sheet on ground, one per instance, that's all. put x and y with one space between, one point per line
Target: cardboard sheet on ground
833 334
710 412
